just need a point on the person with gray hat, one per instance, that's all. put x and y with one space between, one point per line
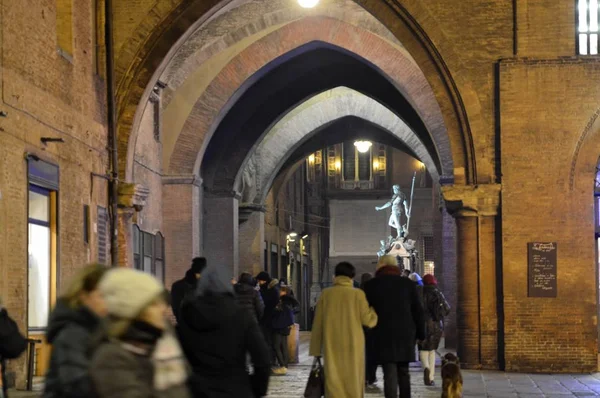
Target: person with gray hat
139 357
217 335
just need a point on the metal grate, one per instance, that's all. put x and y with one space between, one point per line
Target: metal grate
102 234
428 248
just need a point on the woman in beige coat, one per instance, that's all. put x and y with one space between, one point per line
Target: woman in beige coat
337 335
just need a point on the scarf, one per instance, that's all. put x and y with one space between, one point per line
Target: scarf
170 366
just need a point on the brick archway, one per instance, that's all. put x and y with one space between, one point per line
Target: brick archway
140 59
209 108
293 130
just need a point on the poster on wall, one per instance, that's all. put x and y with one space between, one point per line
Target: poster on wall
542 269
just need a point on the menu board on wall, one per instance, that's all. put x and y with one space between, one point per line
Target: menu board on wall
542 269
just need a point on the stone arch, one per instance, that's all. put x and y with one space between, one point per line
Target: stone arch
301 124
209 109
167 26
591 129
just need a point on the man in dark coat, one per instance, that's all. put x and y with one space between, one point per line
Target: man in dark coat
269 290
401 323
217 335
12 343
187 285
248 297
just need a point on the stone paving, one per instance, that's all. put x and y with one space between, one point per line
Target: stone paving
476 383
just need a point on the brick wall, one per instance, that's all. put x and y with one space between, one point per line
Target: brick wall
46 94
541 127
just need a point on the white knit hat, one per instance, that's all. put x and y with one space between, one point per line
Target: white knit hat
127 291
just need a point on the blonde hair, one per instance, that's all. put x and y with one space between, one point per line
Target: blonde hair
86 280
386 260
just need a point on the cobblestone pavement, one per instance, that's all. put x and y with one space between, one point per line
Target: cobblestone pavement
476 384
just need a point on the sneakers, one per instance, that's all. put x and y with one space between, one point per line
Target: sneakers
279 371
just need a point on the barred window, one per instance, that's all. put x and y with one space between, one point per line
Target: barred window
587 27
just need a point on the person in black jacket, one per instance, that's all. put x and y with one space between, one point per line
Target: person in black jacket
216 336
282 322
73 326
248 297
12 345
401 323
186 286
269 290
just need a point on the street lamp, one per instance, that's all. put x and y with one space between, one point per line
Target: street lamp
363 146
308 3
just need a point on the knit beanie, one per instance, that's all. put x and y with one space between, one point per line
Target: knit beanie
429 280
127 292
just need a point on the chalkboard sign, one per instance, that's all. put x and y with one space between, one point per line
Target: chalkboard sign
542 269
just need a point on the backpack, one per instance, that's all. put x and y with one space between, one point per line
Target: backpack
439 307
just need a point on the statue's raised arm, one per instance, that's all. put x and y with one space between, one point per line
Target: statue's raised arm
385 206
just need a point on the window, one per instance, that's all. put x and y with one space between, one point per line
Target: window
159 257
149 252
357 167
102 234
274 261
64 27
42 239
428 256
587 27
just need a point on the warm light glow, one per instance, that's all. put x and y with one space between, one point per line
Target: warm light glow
308 3
293 234
311 159
305 236
338 165
363 146
376 165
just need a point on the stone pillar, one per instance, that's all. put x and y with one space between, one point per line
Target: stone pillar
251 241
474 209
132 199
221 233
182 203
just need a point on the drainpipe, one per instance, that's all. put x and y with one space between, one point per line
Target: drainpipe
112 129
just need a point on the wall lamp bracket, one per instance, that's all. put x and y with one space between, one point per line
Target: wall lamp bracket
3 114
46 140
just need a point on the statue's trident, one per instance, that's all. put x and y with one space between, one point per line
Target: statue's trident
409 215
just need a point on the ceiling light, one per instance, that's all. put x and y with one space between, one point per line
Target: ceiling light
363 146
293 234
308 3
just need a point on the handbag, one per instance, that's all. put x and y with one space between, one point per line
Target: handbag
315 387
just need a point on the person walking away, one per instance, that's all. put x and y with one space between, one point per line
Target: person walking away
269 291
248 297
401 323
436 308
183 287
218 335
370 363
283 320
73 327
140 356
12 345
337 334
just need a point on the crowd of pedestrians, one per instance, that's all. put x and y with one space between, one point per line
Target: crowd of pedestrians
111 335
380 324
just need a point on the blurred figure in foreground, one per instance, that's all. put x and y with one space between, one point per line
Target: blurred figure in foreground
217 335
73 327
283 320
248 297
140 357
12 345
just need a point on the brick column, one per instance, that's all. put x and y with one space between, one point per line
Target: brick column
182 204
474 209
251 241
132 199
221 233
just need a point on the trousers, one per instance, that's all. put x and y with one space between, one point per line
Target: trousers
428 361
396 377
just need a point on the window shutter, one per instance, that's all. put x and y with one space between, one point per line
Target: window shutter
102 234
